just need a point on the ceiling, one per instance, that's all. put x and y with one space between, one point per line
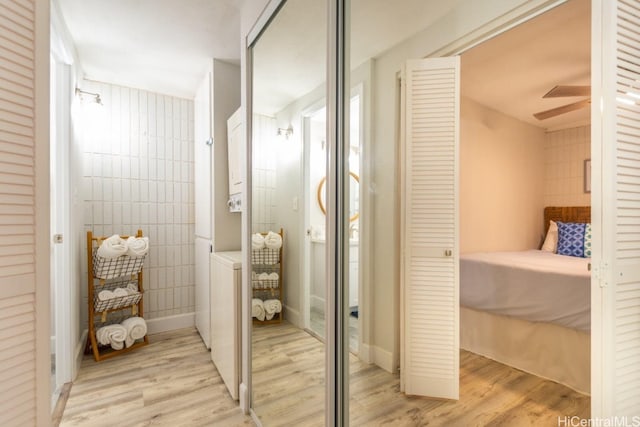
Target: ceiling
164 46
511 72
157 45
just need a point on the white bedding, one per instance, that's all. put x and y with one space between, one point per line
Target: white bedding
531 285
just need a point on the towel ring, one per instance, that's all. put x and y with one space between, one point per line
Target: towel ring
321 195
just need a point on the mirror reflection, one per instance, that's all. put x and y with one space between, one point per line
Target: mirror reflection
288 362
289 66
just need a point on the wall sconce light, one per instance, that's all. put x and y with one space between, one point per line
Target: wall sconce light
96 96
285 132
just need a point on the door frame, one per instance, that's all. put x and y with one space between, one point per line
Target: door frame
60 211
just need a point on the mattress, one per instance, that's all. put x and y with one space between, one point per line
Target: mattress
531 285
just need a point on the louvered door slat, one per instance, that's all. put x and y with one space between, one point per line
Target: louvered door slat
430 240
17 213
617 342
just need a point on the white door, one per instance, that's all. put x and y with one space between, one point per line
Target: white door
23 119
429 275
202 167
203 212
615 334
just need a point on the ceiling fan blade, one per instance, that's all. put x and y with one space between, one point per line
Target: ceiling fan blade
561 110
560 91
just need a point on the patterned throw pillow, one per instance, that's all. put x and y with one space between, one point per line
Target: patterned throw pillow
587 241
571 238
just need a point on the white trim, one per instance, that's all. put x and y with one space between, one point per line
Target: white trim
171 323
42 214
293 316
383 358
316 302
263 21
79 354
365 353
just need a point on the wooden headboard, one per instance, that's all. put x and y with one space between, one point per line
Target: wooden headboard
566 214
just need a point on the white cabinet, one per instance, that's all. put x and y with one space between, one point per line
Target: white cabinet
226 274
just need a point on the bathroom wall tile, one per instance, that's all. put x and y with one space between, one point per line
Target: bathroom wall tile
138 173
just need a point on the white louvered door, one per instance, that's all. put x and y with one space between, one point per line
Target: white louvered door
17 214
616 209
430 284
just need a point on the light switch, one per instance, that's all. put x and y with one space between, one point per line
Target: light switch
295 204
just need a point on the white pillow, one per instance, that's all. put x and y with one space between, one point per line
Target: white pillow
551 241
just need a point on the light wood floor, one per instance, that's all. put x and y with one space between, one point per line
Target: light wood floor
172 382
289 390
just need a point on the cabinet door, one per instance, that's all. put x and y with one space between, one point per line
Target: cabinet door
202 150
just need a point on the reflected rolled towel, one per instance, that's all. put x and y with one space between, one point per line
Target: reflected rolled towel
271 307
132 288
112 247
120 292
273 240
257 241
113 335
257 308
136 329
105 295
137 246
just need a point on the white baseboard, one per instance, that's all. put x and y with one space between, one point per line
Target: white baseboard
293 316
365 353
170 323
316 303
79 354
383 359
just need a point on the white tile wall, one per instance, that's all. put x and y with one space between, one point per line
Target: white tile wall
565 153
138 173
264 173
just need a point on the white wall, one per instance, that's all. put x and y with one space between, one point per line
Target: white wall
226 100
564 154
138 173
501 181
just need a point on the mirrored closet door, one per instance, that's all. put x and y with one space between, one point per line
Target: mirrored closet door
287 142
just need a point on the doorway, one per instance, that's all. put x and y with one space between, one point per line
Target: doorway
60 288
314 124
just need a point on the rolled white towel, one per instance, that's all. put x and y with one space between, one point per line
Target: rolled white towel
273 276
257 308
113 335
112 247
263 276
273 240
120 292
254 275
137 246
271 307
132 288
257 241
136 329
105 295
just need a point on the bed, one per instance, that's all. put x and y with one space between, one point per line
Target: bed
530 309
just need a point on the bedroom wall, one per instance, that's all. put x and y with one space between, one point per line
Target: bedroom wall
138 173
501 185
564 154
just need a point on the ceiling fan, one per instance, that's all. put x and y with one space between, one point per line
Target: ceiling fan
562 91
